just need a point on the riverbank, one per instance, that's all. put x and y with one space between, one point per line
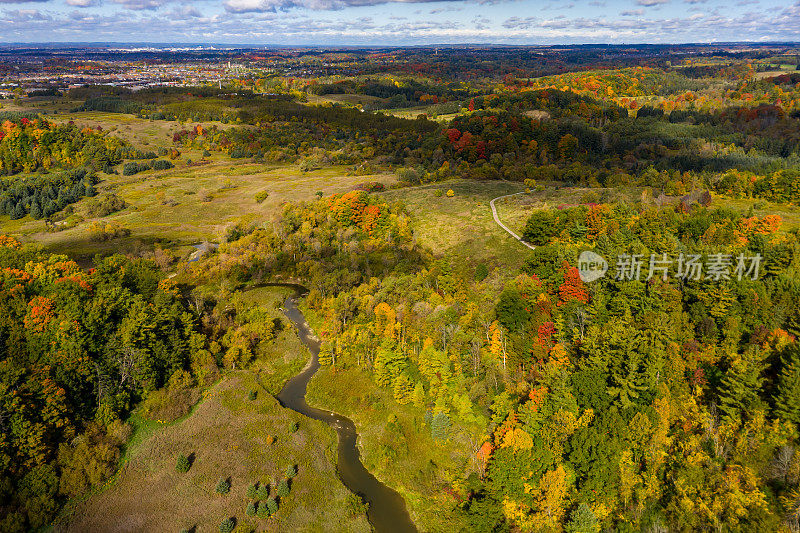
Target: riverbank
229 436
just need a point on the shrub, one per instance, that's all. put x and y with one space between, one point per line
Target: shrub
162 164
104 205
251 509
295 426
437 193
223 486
283 488
252 492
450 193
355 505
183 465
481 271
272 506
252 395
227 525
261 196
270 439
132 167
291 471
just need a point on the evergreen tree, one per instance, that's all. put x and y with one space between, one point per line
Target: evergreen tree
583 520
223 486
741 386
283 488
787 402
36 211
402 389
440 426
19 211
418 395
272 505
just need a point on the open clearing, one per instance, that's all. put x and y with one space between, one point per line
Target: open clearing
227 433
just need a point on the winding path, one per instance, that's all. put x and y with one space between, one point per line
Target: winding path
497 219
387 510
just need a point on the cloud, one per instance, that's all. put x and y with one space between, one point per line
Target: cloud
597 4
21 1
651 3
83 3
633 13
264 6
140 5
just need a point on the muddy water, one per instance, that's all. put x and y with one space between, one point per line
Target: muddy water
387 509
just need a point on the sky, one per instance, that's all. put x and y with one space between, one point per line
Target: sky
406 22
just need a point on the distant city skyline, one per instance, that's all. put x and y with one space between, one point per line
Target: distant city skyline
375 22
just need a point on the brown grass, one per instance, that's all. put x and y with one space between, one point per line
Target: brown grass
228 434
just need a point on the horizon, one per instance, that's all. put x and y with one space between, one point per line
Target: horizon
403 23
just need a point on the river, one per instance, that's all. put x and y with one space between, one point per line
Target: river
387 511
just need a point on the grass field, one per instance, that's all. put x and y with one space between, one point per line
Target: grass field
186 205
462 226
227 433
409 460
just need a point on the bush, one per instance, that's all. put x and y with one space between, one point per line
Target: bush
270 439
481 271
261 196
223 486
104 205
355 506
252 395
227 525
295 426
162 164
132 167
251 509
450 193
183 464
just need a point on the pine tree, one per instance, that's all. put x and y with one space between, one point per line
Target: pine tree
583 520
272 506
741 386
420 400
36 211
440 426
402 389
19 211
283 488
787 402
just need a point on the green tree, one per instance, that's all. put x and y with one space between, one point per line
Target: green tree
440 426
787 400
282 489
182 465
223 486
582 520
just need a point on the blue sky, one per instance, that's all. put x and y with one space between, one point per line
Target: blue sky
375 22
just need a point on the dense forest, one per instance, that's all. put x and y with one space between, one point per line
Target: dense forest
626 404
663 396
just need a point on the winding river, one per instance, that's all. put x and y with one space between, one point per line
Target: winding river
387 509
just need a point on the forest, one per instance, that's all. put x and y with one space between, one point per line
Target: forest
156 243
